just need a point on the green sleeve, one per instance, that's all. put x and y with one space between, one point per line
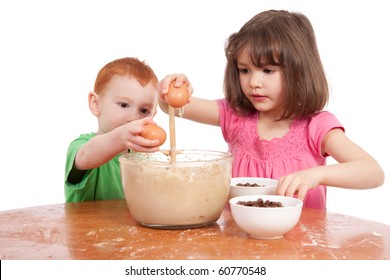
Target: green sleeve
79 191
101 183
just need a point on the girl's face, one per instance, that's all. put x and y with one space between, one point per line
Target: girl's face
264 87
124 100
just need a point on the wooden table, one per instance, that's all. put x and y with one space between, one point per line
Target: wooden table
106 230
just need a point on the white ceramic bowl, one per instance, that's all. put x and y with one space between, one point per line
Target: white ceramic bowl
266 186
266 223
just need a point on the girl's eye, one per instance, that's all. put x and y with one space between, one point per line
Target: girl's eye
243 70
123 105
268 71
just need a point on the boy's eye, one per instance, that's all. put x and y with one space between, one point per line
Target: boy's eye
123 105
145 111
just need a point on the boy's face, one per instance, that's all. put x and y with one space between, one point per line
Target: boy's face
125 100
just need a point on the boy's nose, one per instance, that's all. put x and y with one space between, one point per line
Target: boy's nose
132 116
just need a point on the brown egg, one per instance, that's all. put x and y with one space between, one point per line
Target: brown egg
177 97
153 131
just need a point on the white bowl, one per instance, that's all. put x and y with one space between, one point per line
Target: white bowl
266 186
266 222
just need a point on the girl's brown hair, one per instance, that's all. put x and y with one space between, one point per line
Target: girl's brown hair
285 39
128 66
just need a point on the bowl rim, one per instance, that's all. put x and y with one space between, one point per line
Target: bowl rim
273 182
141 158
233 201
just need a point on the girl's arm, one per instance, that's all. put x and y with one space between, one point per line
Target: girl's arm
355 169
197 109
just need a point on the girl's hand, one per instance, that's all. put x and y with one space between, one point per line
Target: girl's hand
178 79
131 139
297 184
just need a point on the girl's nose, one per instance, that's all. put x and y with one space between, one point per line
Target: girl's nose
256 81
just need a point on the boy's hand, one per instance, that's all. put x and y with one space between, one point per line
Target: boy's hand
131 139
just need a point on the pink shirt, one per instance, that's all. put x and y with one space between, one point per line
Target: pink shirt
299 149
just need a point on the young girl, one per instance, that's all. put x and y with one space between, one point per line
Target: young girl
124 100
272 116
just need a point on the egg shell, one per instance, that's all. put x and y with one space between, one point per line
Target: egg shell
153 131
177 97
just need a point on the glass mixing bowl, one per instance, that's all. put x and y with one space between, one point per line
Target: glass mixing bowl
188 193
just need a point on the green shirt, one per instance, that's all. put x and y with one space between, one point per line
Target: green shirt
100 183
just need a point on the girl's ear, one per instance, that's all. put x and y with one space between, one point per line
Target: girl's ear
93 103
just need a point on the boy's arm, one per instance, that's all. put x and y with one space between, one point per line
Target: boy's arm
99 150
104 147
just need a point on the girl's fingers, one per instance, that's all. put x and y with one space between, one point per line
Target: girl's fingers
164 84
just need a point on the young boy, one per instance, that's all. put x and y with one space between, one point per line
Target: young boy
124 100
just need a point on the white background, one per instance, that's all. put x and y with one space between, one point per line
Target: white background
51 51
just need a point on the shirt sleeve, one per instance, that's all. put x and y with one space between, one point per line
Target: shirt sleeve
228 120
319 125
77 192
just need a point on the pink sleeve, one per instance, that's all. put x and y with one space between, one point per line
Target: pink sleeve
228 120
319 125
